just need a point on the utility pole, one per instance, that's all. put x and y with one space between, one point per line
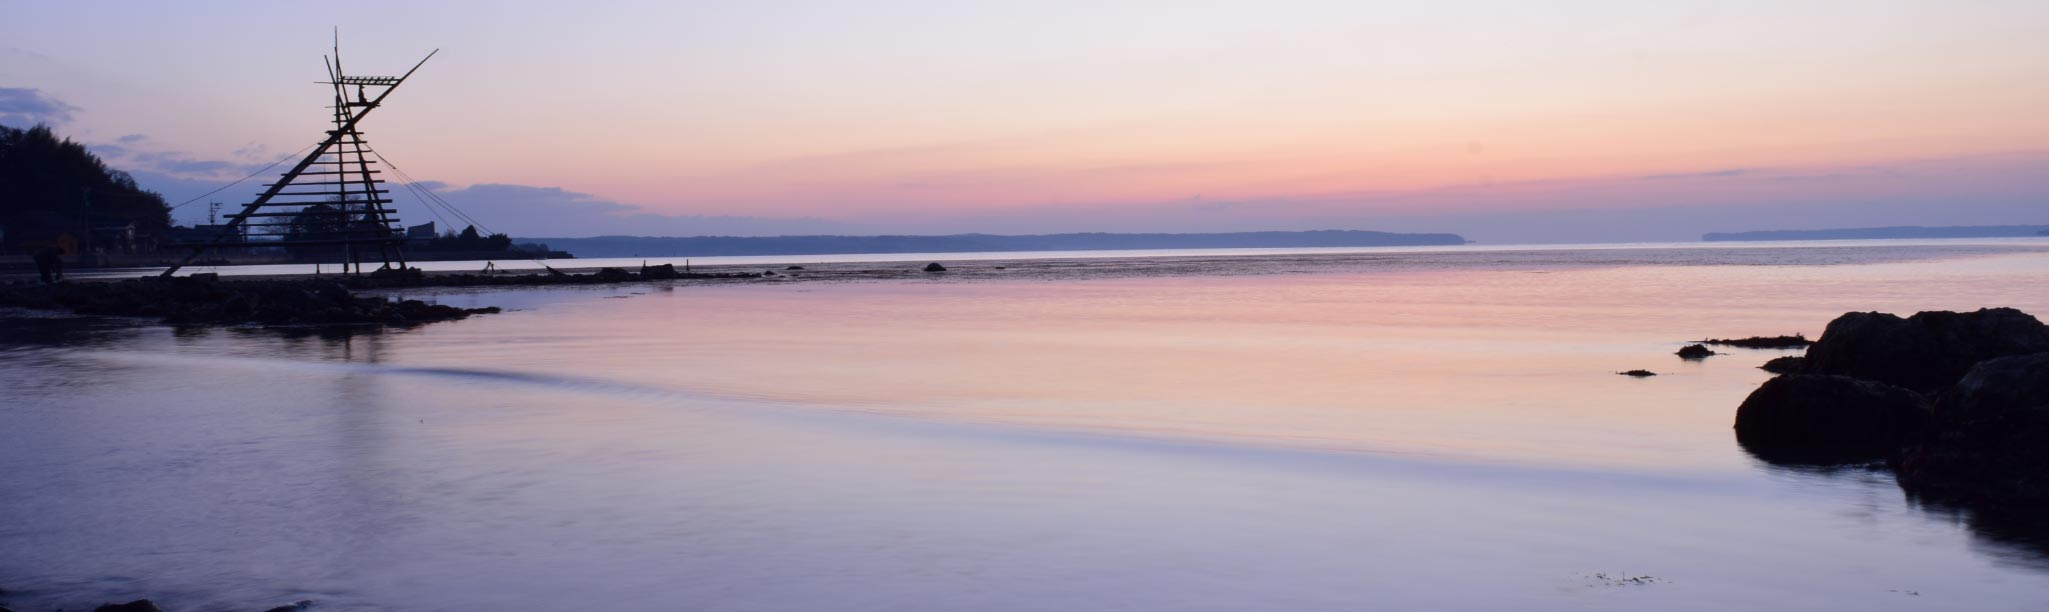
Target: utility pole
84 220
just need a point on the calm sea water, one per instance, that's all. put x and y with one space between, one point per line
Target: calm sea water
1425 429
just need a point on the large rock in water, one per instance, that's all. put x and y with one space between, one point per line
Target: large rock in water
1926 352
1992 437
1809 419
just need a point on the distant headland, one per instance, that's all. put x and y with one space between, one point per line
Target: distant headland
706 246
1880 233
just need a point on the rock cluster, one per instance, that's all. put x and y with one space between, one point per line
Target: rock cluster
144 605
1956 403
1926 352
1763 342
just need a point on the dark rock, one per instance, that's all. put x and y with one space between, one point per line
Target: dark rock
794 268
1991 440
330 291
297 606
1790 364
1695 351
1638 373
663 271
1763 342
1809 419
934 267
139 605
398 273
612 275
1926 352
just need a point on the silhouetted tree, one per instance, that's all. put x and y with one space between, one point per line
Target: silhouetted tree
328 221
469 239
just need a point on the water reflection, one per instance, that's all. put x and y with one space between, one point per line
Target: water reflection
2017 535
22 329
355 344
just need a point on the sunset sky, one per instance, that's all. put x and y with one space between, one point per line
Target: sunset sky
1503 121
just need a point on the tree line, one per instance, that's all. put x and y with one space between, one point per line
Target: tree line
53 192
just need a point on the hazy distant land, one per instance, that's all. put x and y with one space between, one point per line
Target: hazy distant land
1871 233
705 246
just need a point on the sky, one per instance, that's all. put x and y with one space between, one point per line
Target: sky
1502 121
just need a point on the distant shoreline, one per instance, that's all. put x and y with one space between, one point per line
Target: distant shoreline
1884 233
715 246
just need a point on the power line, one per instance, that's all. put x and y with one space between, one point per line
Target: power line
430 193
251 176
414 184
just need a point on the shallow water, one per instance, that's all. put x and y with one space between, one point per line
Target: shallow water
1436 430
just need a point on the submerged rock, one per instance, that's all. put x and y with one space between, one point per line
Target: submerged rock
1695 351
1790 364
1991 438
1928 351
139 605
297 606
1638 373
934 267
1812 419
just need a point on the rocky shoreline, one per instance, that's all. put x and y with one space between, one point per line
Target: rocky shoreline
318 302
206 301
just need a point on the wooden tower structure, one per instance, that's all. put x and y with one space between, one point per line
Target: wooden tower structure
333 203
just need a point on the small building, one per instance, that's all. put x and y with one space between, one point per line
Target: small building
424 231
179 236
112 234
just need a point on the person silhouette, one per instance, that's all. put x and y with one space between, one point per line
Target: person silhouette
50 264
